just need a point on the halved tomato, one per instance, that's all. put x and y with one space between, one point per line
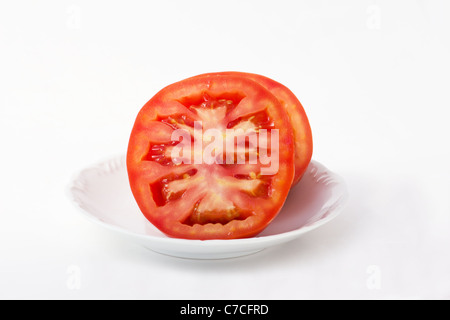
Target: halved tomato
230 197
300 124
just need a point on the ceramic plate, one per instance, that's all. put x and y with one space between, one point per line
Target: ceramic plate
103 194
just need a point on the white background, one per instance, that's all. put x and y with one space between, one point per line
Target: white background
373 77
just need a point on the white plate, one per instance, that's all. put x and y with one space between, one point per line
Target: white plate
103 194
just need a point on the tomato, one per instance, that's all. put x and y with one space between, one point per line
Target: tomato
231 196
300 124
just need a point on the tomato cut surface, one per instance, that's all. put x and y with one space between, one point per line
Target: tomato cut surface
303 143
235 191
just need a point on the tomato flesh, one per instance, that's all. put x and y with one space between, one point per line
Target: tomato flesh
228 198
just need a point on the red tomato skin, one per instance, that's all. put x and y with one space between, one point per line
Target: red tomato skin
303 140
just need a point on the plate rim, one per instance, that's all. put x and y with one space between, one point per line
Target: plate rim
115 163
